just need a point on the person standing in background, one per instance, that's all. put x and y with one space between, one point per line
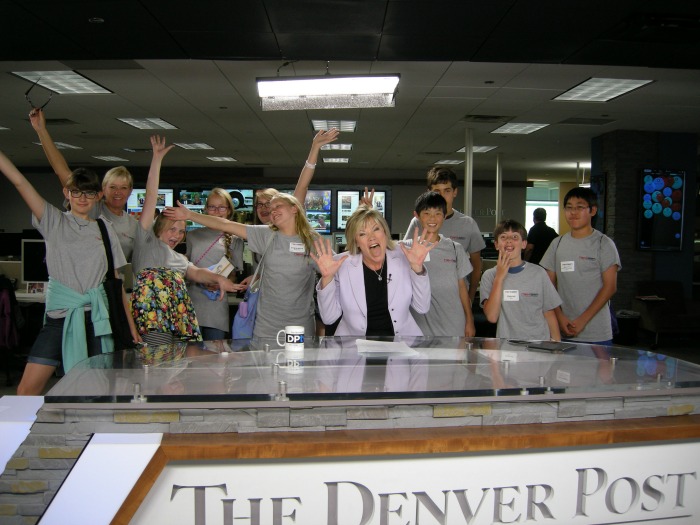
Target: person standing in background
457 226
539 237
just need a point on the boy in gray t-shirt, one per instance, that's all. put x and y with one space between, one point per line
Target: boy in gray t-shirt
583 265
450 311
516 294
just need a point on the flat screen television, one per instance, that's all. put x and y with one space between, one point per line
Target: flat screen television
346 203
318 210
379 202
242 203
33 267
661 210
134 204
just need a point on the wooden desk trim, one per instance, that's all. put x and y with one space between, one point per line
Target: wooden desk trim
396 442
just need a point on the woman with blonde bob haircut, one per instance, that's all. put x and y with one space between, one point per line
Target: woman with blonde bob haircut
374 283
287 285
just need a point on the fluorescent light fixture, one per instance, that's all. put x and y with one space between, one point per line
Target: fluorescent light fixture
519 128
345 126
63 82
336 160
327 92
601 89
4 129
222 159
107 158
336 147
448 162
194 145
147 123
62 145
478 149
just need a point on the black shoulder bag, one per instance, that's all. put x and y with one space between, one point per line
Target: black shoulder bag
113 288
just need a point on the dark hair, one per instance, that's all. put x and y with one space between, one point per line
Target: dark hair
509 225
431 199
586 194
540 214
84 180
441 175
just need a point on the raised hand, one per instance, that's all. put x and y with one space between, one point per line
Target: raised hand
179 213
159 147
367 198
503 263
37 119
324 137
418 251
327 265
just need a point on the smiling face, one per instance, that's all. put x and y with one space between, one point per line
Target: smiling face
431 220
217 206
511 242
81 205
371 242
116 193
579 214
282 214
173 233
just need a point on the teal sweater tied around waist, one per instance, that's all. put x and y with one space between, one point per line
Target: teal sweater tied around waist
74 343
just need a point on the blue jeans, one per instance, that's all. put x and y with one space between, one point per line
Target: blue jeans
47 349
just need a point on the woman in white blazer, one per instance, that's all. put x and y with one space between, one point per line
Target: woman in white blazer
375 282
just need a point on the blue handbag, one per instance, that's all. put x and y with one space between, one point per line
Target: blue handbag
244 320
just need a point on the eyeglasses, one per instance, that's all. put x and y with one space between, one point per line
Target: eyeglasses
79 193
265 205
514 237
217 208
26 96
571 209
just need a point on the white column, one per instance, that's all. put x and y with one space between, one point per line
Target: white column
499 188
468 170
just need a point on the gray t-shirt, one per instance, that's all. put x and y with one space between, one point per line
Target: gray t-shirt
458 227
75 253
446 264
151 252
527 294
579 265
125 225
287 288
205 248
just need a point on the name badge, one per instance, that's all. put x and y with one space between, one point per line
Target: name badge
511 295
297 247
567 266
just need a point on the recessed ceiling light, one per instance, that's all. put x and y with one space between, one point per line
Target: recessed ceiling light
336 147
346 126
194 145
601 89
63 82
147 123
222 159
519 128
448 162
478 149
62 145
336 160
107 158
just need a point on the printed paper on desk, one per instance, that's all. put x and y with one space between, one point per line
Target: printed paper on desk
384 347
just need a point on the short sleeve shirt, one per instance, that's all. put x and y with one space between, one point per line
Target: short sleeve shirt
458 227
151 252
124 225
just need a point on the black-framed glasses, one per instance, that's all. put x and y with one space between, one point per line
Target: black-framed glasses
79 193
265 205
217 208
26 95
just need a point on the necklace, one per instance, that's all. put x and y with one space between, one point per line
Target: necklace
379 273
80 226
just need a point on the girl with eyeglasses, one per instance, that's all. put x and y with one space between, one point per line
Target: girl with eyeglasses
77 319
161 302
206 248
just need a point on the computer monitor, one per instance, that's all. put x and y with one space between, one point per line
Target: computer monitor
318 210
346 203
134 204
33 267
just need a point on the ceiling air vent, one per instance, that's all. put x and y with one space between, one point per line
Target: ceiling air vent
486 119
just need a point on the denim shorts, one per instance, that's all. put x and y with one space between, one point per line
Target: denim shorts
46 350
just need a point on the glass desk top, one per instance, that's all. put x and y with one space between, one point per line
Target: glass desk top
348 370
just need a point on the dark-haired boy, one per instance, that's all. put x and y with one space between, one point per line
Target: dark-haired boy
457 226
583 265
450 311
516 294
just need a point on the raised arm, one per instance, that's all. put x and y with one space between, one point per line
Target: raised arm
56 159
182 213
151 199
307 172
35 201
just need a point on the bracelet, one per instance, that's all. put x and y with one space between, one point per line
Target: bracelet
307 164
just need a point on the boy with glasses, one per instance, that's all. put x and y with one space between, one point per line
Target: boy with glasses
516 294
583 265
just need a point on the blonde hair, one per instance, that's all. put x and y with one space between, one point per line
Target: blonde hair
361 217
162 223
220 192
269 194
120 172
301 224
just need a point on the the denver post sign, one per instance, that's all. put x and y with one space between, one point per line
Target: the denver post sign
631 484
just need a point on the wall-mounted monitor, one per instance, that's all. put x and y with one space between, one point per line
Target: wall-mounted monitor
346 203
318 206
661 210
196 200
134 204
379 202
33 267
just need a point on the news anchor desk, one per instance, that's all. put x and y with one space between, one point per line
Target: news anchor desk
426 430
